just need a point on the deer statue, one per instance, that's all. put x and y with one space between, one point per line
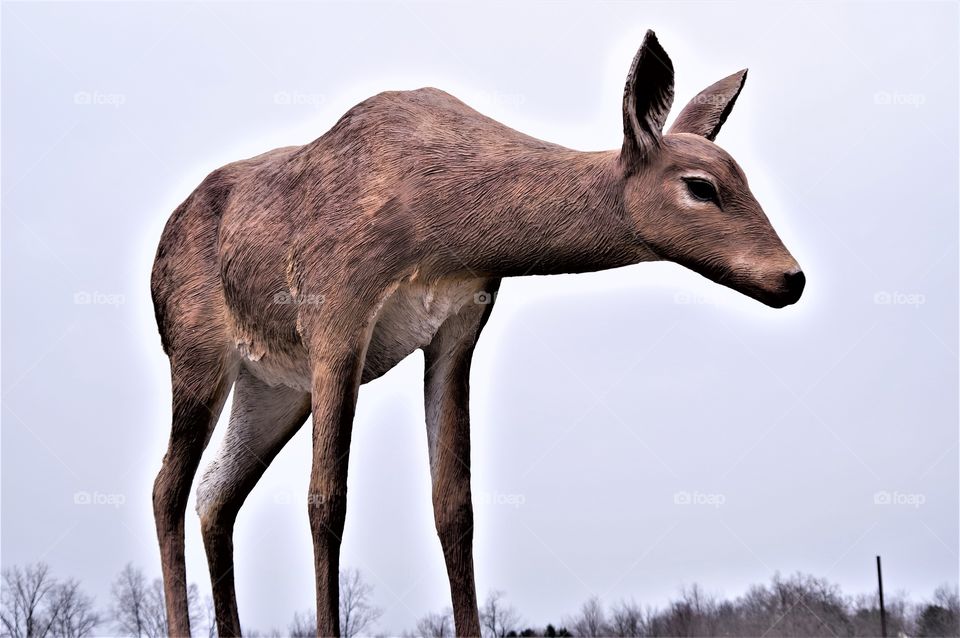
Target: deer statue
296 276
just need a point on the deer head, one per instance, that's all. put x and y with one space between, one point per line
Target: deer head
686 197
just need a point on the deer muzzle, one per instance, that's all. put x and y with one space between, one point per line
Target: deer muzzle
775 290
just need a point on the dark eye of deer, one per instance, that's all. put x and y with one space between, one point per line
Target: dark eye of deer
702 190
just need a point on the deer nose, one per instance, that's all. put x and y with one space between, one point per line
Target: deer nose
793 283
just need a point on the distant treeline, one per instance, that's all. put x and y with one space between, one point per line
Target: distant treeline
36 604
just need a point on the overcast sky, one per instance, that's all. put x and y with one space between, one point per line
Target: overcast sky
811 438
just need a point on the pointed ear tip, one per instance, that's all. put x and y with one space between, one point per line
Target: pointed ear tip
739 78
650 39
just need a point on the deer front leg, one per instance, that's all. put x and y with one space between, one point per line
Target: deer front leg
337 368
446 393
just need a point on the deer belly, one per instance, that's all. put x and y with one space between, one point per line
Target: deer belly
409 319
277 368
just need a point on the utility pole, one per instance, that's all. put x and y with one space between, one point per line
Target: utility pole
883 611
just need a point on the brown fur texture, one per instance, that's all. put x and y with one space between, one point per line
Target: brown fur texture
306 271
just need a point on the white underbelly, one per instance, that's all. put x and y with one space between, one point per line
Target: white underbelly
292 371
410 318
407 320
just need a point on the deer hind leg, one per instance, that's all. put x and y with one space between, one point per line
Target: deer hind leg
201 382
262 421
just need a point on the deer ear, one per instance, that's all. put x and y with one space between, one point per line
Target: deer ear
706 113
647 98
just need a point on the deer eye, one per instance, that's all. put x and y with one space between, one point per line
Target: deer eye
702 190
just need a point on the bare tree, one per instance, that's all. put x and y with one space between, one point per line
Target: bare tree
129 609
591 621
948 597
864 611
156 611
698 610
35 605
211 617
73 615
194 604
497 619
357 612
627 620
303 625
139 607
436 625
799 605
26 595
941 616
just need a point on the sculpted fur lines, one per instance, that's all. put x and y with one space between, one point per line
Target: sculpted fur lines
295 276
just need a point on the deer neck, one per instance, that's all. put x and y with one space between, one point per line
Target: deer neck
558 211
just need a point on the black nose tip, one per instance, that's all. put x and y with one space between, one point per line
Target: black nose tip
793 283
